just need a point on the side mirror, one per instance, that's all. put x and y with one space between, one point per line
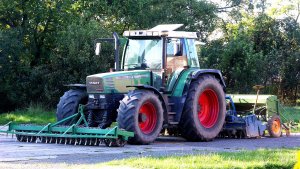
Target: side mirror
98 49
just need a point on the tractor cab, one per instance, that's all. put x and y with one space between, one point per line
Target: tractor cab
163 51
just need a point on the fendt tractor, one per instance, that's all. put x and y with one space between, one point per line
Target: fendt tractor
158 85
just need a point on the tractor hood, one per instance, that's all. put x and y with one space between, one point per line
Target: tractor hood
116 82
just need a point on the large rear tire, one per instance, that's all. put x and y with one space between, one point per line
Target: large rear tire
68 104
141 112
204 110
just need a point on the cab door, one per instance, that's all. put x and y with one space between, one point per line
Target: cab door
176 60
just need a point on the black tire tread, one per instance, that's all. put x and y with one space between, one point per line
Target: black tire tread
126 115
68 104
187 124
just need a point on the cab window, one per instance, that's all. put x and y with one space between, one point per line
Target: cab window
176 54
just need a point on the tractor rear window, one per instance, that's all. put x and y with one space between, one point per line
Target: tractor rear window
143 54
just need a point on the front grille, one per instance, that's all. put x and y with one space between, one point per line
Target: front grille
109 82
94 84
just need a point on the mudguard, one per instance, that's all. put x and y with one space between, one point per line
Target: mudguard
77 86
181 87
215 72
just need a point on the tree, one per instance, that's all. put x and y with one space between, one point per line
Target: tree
46 44
258 49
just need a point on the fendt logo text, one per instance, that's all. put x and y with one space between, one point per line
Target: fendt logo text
94 83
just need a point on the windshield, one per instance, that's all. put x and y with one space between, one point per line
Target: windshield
143 54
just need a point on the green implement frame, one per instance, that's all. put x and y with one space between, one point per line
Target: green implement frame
265 107
78 133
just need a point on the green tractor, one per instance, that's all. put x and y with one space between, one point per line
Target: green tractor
157 85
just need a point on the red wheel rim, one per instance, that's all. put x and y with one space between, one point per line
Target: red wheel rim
147 118
276 126
208 108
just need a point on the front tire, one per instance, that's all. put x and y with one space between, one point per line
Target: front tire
141 112
68 104
204 110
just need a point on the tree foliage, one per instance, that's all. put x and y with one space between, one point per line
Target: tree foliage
258 49
46 44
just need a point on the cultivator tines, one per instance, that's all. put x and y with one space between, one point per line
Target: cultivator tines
74 134
233 133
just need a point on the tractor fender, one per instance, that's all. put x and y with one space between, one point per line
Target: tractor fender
215 72
160 96
181 88
77 86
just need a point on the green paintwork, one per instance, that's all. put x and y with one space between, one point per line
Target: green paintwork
183 78
246 103
173 78
73 131
116 82
66 132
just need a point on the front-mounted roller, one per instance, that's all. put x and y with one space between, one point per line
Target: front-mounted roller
74 134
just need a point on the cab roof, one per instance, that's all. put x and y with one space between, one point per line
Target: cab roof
165 30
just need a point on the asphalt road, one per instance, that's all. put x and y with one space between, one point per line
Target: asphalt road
12 151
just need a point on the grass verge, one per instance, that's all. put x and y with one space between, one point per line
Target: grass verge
257 159
262 158
33 114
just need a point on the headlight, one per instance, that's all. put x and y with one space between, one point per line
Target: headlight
91 96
